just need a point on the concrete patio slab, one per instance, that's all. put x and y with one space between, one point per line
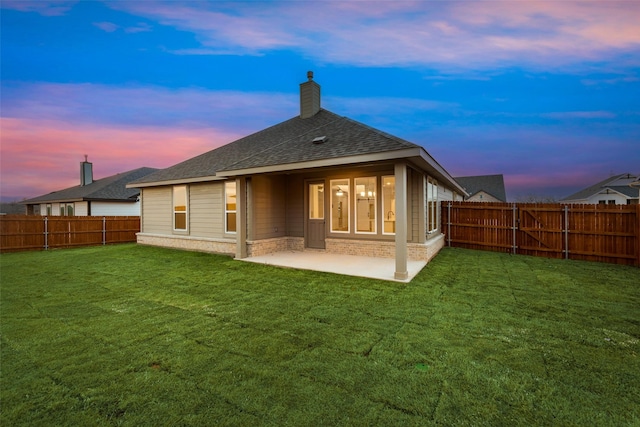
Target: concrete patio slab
350 265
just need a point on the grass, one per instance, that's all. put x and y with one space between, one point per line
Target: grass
142 336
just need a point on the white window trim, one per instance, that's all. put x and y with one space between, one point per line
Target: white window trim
382 198
436 215
226 212
347 204
375 205
186 209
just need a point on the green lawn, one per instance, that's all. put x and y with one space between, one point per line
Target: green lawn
141 336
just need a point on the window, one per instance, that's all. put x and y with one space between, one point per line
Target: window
49 209
180 208
316 201
340 205
365 205
432 205
611 202
389 204
230 206
66 209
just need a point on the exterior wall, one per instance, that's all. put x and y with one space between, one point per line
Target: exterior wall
206 217
81 208
269 207
617 197
295 216
157 210
114 209
279 244
202 244
415 251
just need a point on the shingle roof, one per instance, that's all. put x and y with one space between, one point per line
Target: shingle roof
492 184
596 188
109 188
285 143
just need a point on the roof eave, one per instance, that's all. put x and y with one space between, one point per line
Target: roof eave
313 164
173 181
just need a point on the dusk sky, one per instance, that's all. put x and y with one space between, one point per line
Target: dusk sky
545 93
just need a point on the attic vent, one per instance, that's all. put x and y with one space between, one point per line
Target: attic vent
319 140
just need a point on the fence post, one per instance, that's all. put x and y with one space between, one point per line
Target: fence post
104 231
566 232
514 228
449 223
46 233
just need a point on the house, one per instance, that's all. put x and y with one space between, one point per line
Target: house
616 190
483 188
317 181
12 208
104 197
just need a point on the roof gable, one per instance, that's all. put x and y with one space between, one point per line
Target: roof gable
490 184
109 188
613 182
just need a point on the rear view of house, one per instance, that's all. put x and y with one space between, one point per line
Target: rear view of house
317 181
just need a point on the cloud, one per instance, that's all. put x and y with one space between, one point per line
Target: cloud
447 35
40 156
580 115
147 105
43 7
109 27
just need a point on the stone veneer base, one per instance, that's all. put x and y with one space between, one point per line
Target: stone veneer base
199 244
415 251
378 249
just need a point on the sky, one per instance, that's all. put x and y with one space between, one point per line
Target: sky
545 93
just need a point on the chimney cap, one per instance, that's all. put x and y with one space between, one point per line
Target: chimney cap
310 75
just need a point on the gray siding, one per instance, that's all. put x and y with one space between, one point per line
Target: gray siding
269 206
206 210
156 210
295 216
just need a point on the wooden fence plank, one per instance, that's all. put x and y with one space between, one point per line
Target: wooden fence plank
605 233
29 232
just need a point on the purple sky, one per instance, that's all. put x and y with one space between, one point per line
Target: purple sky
545 93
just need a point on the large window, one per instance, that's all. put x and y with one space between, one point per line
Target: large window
180 208
365 205
230 206
340 205
389 204
432 205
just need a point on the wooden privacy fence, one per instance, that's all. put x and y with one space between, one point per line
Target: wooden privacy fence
605 233
27 232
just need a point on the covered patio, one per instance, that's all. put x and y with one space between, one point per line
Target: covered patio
350 265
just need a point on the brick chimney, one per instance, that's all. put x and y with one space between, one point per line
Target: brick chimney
309 97
86 172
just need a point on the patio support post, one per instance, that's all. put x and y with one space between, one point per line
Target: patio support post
401 272
241 218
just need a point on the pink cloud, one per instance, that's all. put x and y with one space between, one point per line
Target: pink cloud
450 34
40 156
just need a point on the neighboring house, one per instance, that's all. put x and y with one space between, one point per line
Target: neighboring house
107 196
616 190
12 208
483 188
317 181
